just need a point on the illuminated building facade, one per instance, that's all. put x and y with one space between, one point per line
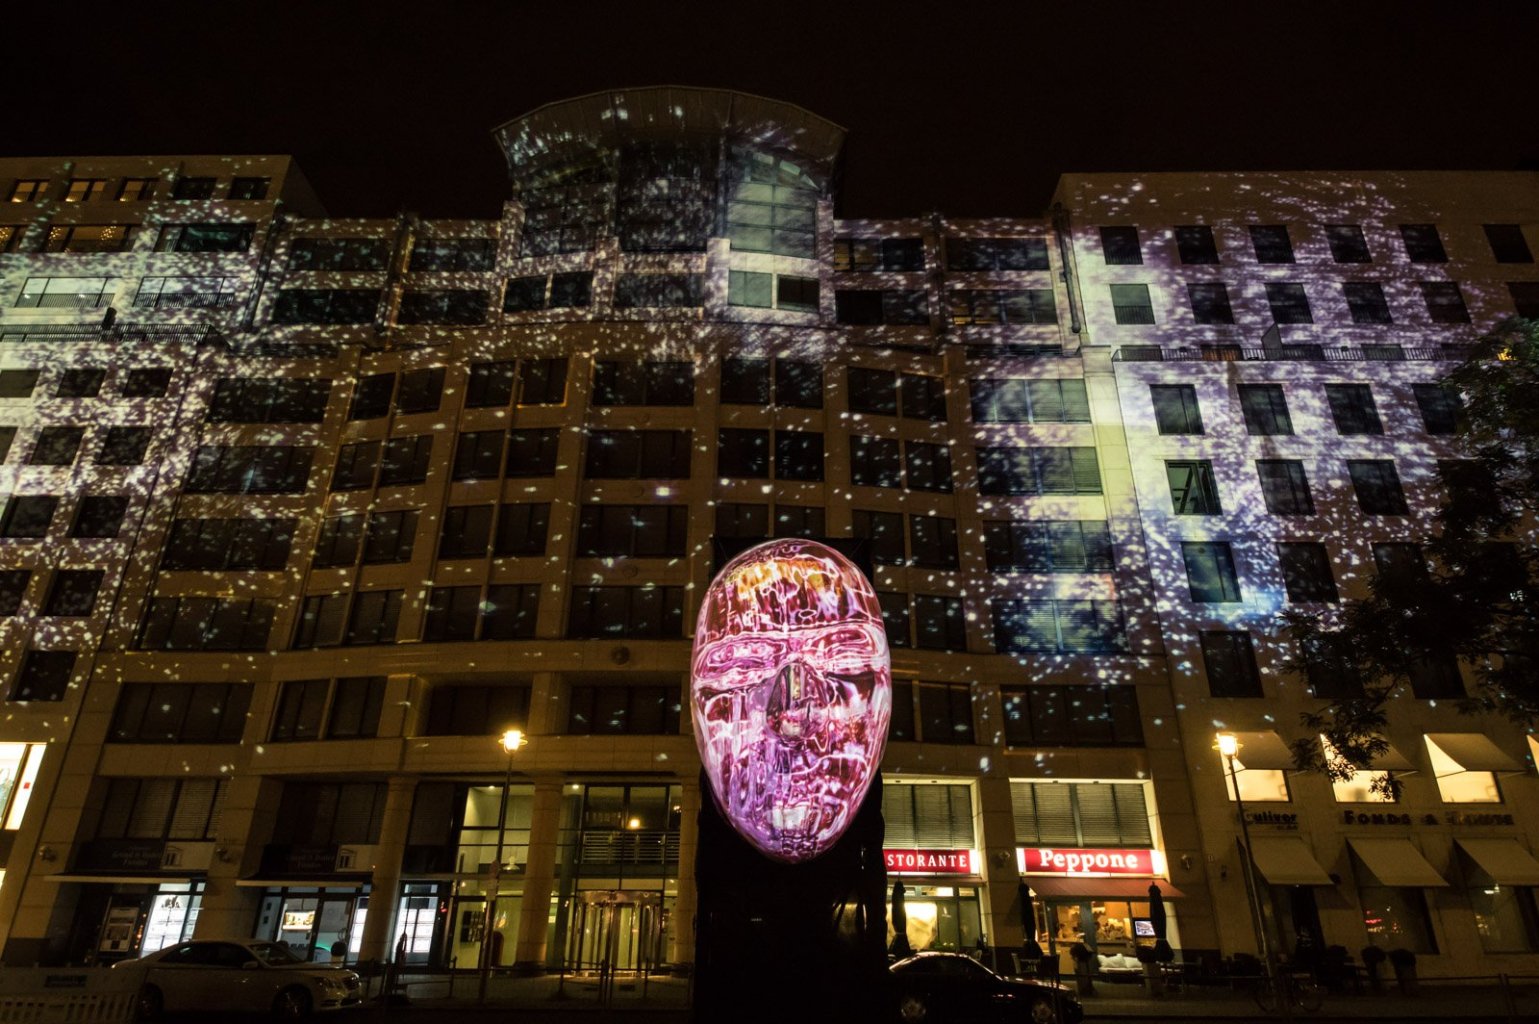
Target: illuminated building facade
302 513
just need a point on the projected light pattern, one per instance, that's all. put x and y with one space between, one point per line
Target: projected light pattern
791 694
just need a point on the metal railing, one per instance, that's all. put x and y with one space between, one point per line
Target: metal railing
1287 353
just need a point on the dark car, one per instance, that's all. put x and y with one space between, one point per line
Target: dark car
948 988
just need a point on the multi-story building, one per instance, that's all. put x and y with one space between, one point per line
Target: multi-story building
303 513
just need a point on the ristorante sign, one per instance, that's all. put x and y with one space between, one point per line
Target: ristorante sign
1057 860
931 862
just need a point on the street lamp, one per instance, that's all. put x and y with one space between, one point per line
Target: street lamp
1229 746
511 740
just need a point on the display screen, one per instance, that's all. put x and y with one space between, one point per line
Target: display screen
791 693
1143 928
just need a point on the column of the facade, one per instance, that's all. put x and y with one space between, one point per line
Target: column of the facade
227 908
681 947
539 875
385 883
1004 925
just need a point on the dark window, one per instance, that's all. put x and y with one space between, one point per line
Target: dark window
404 460
193 188
27 516
1266 410
180 713
57 446
451 614
271 400
99 515
301 706
873 391
1072 716
1271 243
1067 546
799 521
1377 486
421 390
511 611
477 710
7 438
1347 243
490 385
453 306
1210 572
544 382
638 455
522 528
745 381
798 455
1508 244
637 612
1366 301
326 305
933 541
1196 245
1422 243
865 254
1051 400
1038 471
1175 408
322 616
910 307
355 707
638 531
44 675
18 383
924 397
945 713
1210 302
1231 664
356 466
939 624
80 382
1289 303
742 453
998 306
571 290
478 455
649 383
1306 570
1284 487
249 188
389 537
1130 304
884 531
996 254
1353 409
146 382
1442 411
1193 491
1445 302
875 461
453 254
228 544
72 592
347 254
532 452
1525 298
206 624
658 290
740 520
798 384
798 294
467 531
928 466
339 541
205 237
371 396
523 294
1068 627
895 622
374 617
1120 246
623 710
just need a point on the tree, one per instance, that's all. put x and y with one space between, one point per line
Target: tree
1472 599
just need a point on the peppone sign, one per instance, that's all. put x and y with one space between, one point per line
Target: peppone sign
791 694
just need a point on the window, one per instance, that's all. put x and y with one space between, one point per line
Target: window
799 455
1525 298
1210 572
477 710
1130 304
1442 411
1445 302
27 516
638 455
1505 915
1284 487
996 254
799 521
218 544
1377 486
780 291
1038 471
356 465
1120 246
1289 303
867 254
996 306
568 290
648 383
72 592
875 461
67 292
895 621
923 397
1210 302
1366 302
193 188
490 385
945 713
1193 491
371 396
637 531
939 624
1306 570
884 532
339 254
1030 401
453 254
544 382
44 675
159 809
355 707
448 306
1395 917
772 205
620 710
374 617
478 455
1072 716
739 520
467 531
421 391
1065 627
7 438
1422 243
180 713
57 446
933 541
658 290
1100 814
798 384
404 460
1353 409
329 814
1036 546
508 612
145 382
187 292
1507 243
206 624
249 188
1347 243
1265 408
29 190
873 391
99 515
205 237
90 238
451 614
1175 408
1231 663
389 537
511 611
325 306
532 452
1271 243
269 400
1195 244
745 381
636 612
249 469
928 466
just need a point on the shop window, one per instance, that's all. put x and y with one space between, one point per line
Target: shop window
1455 785
1505 915
1395 917
99 515
1072 716
639 612
543 383
996 253
637 531
623 710
1064 627
1083 814
522 528
490 385
1037 546
638 455
1230 659
643 383
742 520
473 710
1364 786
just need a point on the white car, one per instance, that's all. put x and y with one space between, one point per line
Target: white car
238 975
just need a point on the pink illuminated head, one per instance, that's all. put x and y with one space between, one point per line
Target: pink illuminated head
791 693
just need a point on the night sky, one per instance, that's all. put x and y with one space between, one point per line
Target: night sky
950 106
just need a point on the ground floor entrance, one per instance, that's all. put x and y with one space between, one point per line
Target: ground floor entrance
119 921
320 924
939 916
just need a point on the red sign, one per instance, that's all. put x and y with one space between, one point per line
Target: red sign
930 862
1053 860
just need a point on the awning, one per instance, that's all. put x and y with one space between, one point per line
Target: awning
123 879
1391 760
1287 861
1474 752
1397 862
1504 860
1115 888
300 883
1265 751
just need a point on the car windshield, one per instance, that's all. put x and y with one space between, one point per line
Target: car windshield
274 954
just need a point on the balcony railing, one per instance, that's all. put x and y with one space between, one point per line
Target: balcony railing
1287 353
627 847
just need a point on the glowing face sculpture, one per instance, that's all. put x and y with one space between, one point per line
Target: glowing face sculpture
791 693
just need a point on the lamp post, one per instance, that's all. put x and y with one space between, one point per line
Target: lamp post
1229 746
511 741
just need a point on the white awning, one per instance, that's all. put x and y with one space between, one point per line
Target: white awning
1504 860
1287 861
1392 760
1473 752
1397 862
1265 751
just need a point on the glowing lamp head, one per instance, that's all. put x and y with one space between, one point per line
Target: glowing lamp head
512 740
791 694
1228 744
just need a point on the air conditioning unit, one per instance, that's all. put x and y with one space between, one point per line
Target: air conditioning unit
355 858
187 856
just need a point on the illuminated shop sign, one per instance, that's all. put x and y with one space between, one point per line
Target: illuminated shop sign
1057 860
791 694
931 862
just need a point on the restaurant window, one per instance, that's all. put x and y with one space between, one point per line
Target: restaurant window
1363 786
1455 785
1081 814
1395 916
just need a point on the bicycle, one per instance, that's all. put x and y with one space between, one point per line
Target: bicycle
1287 992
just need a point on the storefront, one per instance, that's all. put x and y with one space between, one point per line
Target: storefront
931 849
134 896
320 920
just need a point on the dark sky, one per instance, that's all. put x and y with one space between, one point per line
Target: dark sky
954 106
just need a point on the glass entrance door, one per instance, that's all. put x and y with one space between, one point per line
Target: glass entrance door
319 926
617 931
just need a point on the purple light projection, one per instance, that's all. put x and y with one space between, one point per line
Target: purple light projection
791 691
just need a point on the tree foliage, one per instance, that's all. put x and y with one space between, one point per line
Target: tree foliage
1471 600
